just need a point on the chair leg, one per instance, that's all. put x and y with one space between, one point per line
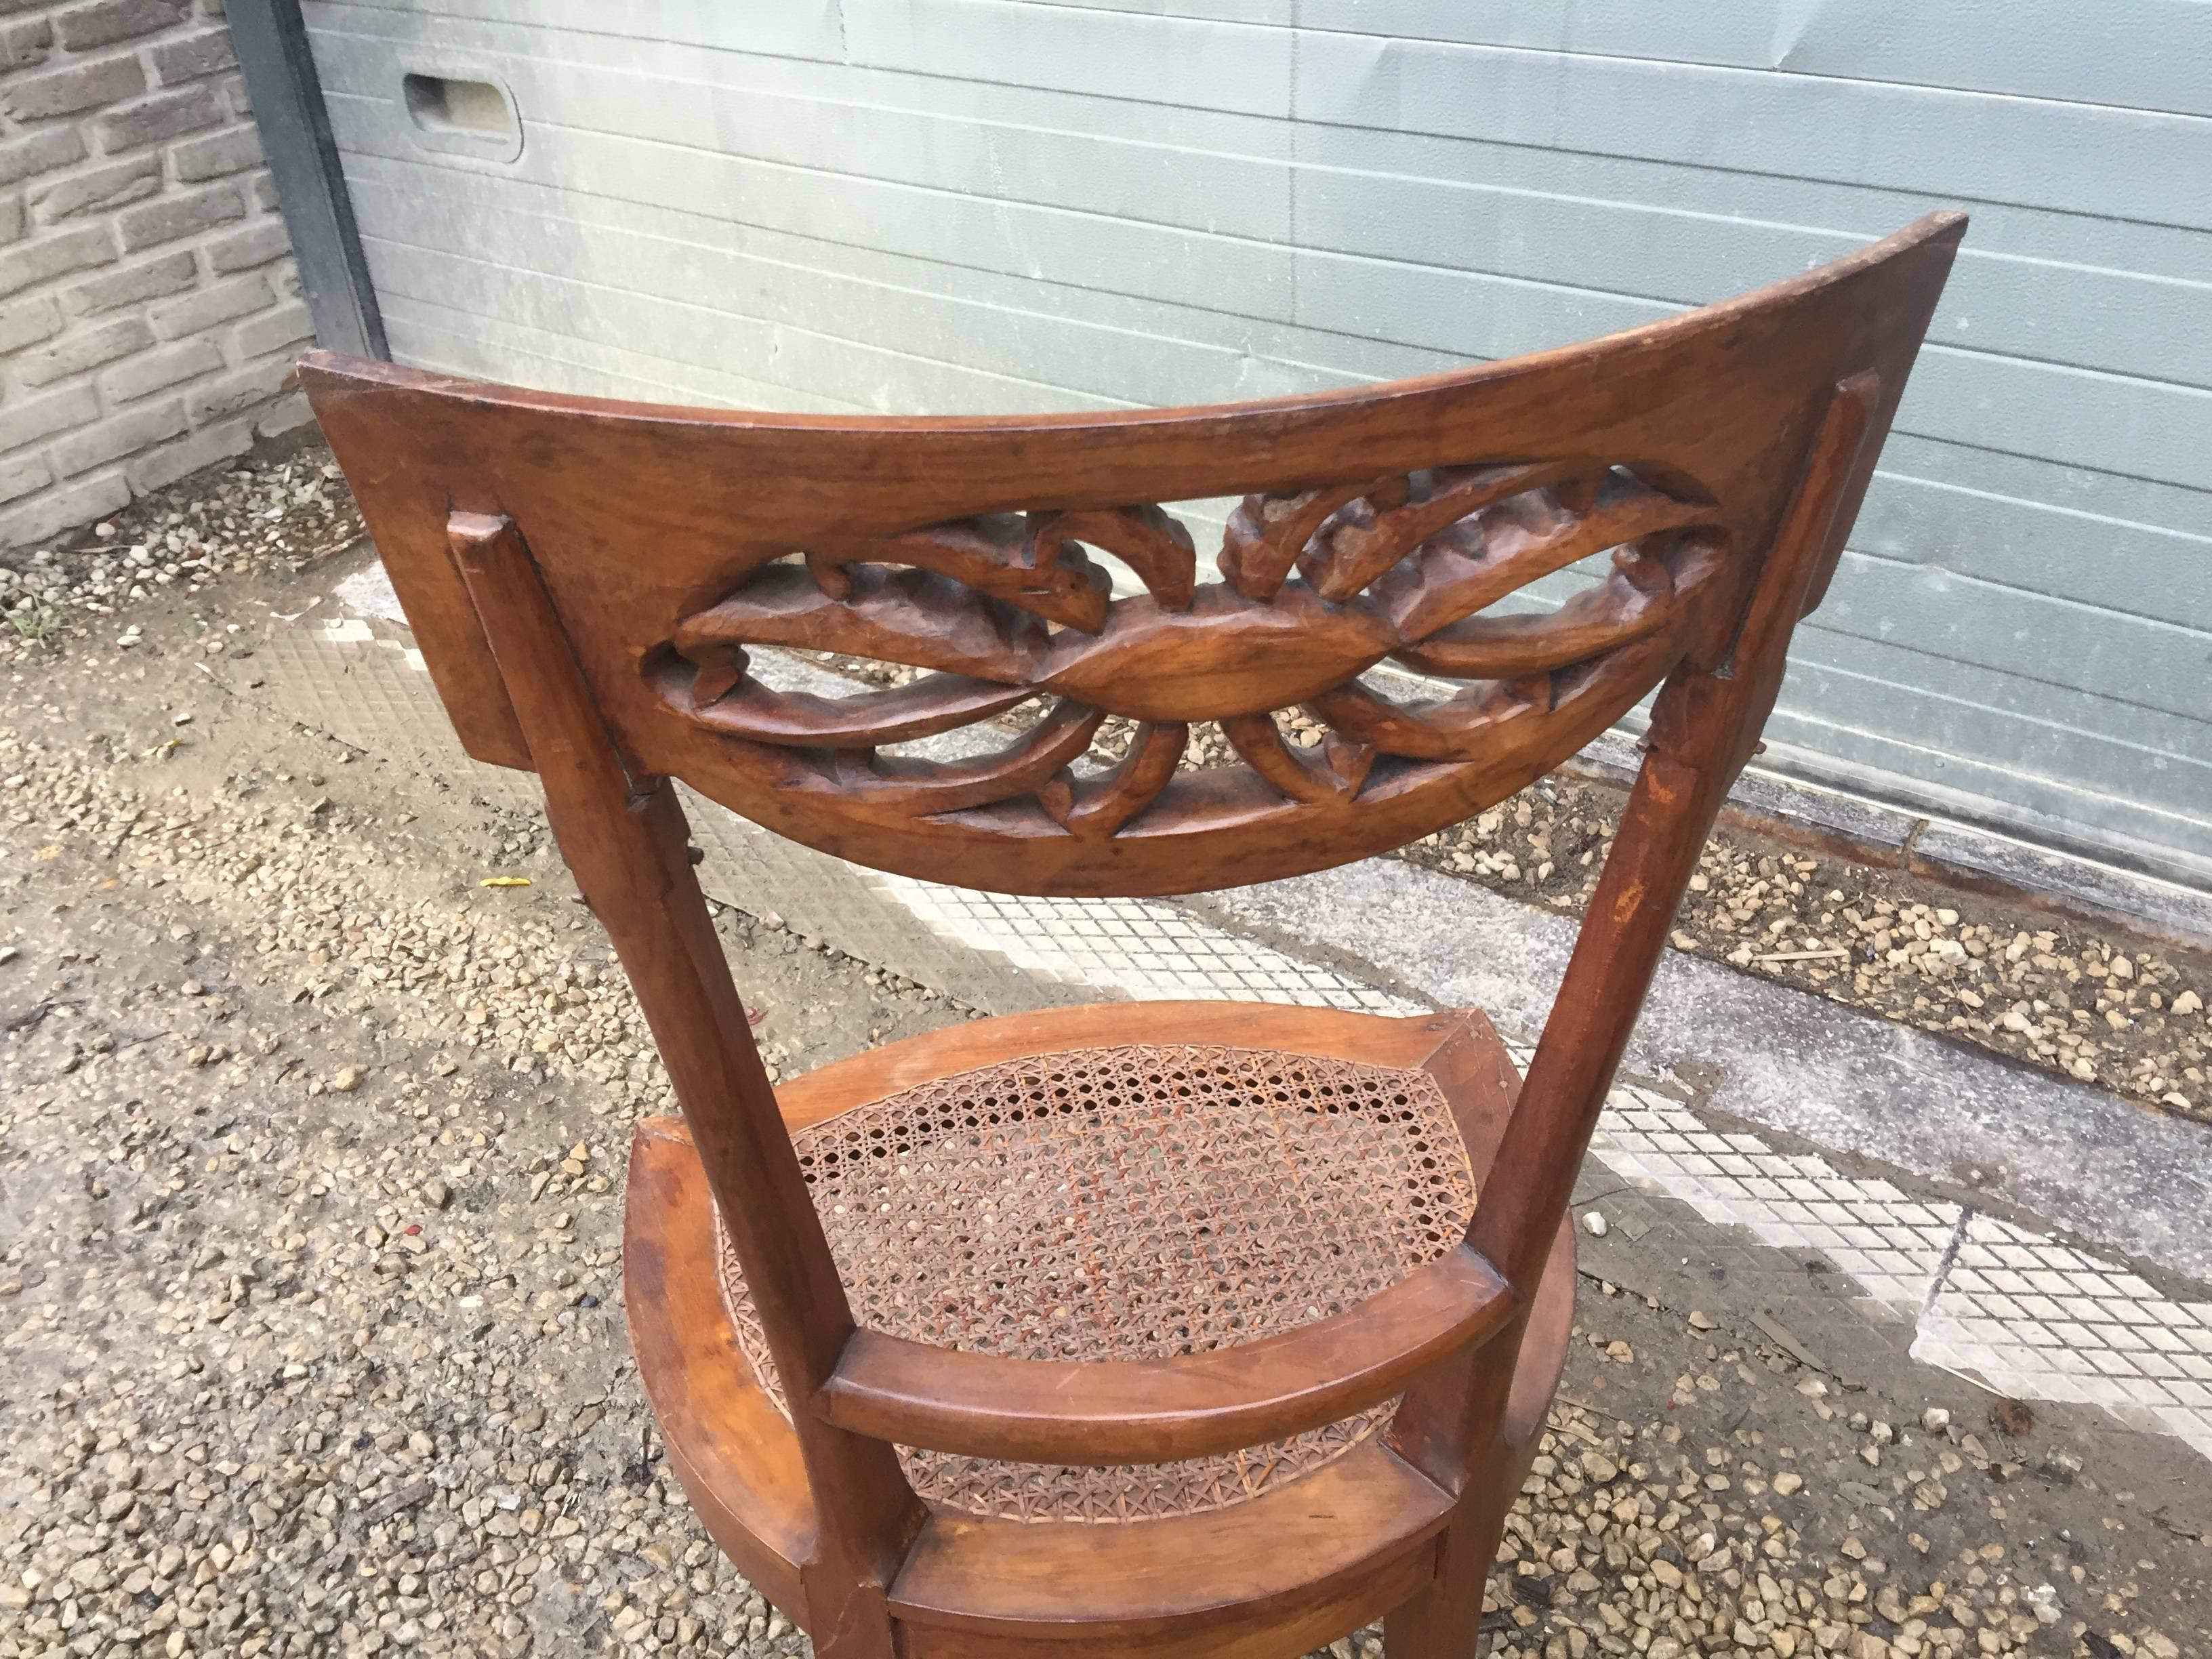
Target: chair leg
859 1628
1444 1620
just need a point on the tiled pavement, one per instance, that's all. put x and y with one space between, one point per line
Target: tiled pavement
1843 1268
2032 1316
1145 949
2063 1324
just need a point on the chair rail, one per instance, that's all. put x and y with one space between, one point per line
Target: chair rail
1161 1411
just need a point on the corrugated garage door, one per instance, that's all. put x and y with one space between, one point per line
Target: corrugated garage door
952 206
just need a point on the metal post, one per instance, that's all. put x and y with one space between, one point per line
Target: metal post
270 39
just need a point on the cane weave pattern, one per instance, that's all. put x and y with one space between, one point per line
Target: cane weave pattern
1127 1203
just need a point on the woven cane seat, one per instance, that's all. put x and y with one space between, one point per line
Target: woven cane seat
1127 1202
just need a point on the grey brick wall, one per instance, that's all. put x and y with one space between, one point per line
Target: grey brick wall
150 310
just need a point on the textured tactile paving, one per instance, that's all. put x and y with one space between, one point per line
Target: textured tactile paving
854 909
2038 1317
364 683
1146 950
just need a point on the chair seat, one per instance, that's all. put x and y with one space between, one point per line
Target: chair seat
1040 1188
1130 1202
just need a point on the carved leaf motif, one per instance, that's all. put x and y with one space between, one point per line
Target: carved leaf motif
1453 728
799 719
1331 771
721 667
1401 567
1265 536
908 617
1022 768
1148 539
995 555
1365 539
1504 647
1480 560
1640 599
1474 724
1103 806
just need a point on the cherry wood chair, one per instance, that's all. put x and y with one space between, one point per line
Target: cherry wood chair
1195 1328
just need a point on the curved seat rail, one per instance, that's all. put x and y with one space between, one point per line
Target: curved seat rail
1163 1410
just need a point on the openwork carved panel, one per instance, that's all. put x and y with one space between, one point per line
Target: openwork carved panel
1318 587
1126 1203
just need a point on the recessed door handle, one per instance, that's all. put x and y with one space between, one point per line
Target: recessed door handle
467 114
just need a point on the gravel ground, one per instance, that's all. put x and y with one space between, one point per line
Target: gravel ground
280 509
2096 1005
310 1253
311 1149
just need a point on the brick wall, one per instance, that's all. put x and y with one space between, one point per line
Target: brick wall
149 309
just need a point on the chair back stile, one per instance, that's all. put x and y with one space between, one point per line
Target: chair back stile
628 845
1704 726
593 584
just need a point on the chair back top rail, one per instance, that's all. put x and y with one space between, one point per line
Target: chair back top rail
1377 526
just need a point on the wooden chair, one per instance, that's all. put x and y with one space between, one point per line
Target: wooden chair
1176 1328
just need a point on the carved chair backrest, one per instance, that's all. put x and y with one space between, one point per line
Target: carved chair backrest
1377 526
588 582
